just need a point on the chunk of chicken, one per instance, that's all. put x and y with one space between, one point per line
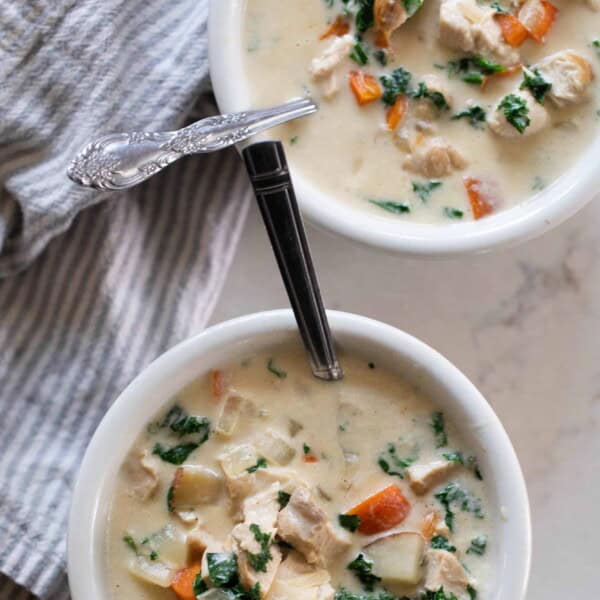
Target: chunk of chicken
258 510
537 114
297 580
423 477
445 571
466 26
434 157
323 67
306 527
389 16
570 75
142 471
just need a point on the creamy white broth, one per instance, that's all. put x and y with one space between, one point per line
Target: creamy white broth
347 150
370 409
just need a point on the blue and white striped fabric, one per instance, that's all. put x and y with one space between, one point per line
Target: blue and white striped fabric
111 286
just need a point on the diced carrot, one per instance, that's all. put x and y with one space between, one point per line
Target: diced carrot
339 27
429 524
217 383
310 458
382 39
513 30
540 27
364 87
480 204
183 584
508 72
382 511
395 113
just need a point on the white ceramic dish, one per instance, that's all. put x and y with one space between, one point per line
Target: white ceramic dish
152 390
543 212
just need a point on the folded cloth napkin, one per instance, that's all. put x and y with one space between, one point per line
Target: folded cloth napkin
126 278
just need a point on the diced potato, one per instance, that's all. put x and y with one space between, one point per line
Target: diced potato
423 477
397 558
274 447
194 485
231 411
151 571
170 545
238 458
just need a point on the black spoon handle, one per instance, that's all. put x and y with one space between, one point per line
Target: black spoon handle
270 177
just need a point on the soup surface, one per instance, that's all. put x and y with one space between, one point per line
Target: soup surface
262 482
448 111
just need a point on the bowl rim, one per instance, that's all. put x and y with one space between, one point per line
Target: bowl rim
87 519
524 221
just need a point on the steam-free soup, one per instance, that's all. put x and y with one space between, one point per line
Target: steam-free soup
259 481
438 111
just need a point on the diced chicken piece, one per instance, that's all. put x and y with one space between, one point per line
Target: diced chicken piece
570 75
194 485
398 558
258 510
151 571
434 157
466 26
323 67
275 447
198 540
306 527
537 114
297 580
233 408
389 16
445 571
423 477
142 471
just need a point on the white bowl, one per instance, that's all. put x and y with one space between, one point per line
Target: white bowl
541 213
414 360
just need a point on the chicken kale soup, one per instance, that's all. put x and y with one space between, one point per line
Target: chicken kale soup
431 110
260 481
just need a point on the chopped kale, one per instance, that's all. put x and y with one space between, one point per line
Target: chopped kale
437 98
515 111
261 463
499 8
412 6
177 454
395 84
438 427
279 373
478 545
472 592
439 542
473 465
389 460
473 70
454 495
306 448
534 81
128 539
397 208
349 522
381 56
455 457
153 555
283 498
294 140
222 568
259 560
362 567
475 115
453 213
359 54
199 587
424 190
190 425
170 493
365 18
344 594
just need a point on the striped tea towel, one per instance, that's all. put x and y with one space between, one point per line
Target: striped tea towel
126 278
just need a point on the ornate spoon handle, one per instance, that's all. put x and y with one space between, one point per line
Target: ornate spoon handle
122 160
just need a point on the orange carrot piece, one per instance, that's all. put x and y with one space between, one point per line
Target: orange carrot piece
183 584
513 30
382 40
508 72
364 87
382 511
310 458
540 28
217 383
481 206
429 524
339 27
395 113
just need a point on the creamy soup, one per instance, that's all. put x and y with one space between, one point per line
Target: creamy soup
438 111
260 481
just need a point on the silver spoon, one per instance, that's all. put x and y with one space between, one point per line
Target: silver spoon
122 160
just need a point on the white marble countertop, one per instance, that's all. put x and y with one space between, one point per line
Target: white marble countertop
524 325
